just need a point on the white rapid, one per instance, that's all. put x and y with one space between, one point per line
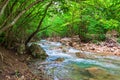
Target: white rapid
63 64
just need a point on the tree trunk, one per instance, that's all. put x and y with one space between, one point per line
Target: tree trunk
3 29
39 26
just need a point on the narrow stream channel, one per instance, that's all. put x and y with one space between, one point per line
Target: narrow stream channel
63 64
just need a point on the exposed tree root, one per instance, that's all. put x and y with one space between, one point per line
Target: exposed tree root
1 56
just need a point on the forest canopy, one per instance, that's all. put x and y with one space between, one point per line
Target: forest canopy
24 20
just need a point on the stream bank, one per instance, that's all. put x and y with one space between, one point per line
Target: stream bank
108 47
15 67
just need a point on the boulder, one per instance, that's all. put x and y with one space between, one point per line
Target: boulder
80 55
75 38
66 41
100 74
64 50
111 34
37 51
94 71
60 59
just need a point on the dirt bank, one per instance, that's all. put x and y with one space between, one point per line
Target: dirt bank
14 67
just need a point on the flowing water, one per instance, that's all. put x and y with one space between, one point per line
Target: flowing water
63 64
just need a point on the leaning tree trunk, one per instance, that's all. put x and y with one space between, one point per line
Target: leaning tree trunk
39 26
3 29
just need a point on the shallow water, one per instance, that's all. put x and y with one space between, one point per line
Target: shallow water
65 65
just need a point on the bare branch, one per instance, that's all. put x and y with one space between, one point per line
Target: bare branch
4 6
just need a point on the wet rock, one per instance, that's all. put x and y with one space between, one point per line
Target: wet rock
80 55
41 68
92 79
85 78
65 50
60 59
97 73
60 47
70 44
94 71
37 51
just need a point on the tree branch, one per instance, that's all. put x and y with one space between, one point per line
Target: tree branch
39 25
4 6
19 15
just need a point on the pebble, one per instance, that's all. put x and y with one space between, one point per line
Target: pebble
92 48
22 78
112 50
8 77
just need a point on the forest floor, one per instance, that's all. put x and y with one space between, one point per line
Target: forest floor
14 67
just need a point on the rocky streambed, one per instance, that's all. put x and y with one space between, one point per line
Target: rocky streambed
66 63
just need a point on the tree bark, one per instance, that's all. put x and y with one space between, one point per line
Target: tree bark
4 6
39 25
9 14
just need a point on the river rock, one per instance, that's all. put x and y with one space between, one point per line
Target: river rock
80 55
66 41
76 38
65 50
100 74
92 79
60 59
92 48
37 51
93 70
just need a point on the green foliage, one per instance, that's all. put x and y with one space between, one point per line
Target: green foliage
82 18
118 40
110 24
65 18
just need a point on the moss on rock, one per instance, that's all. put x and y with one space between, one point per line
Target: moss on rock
37 51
